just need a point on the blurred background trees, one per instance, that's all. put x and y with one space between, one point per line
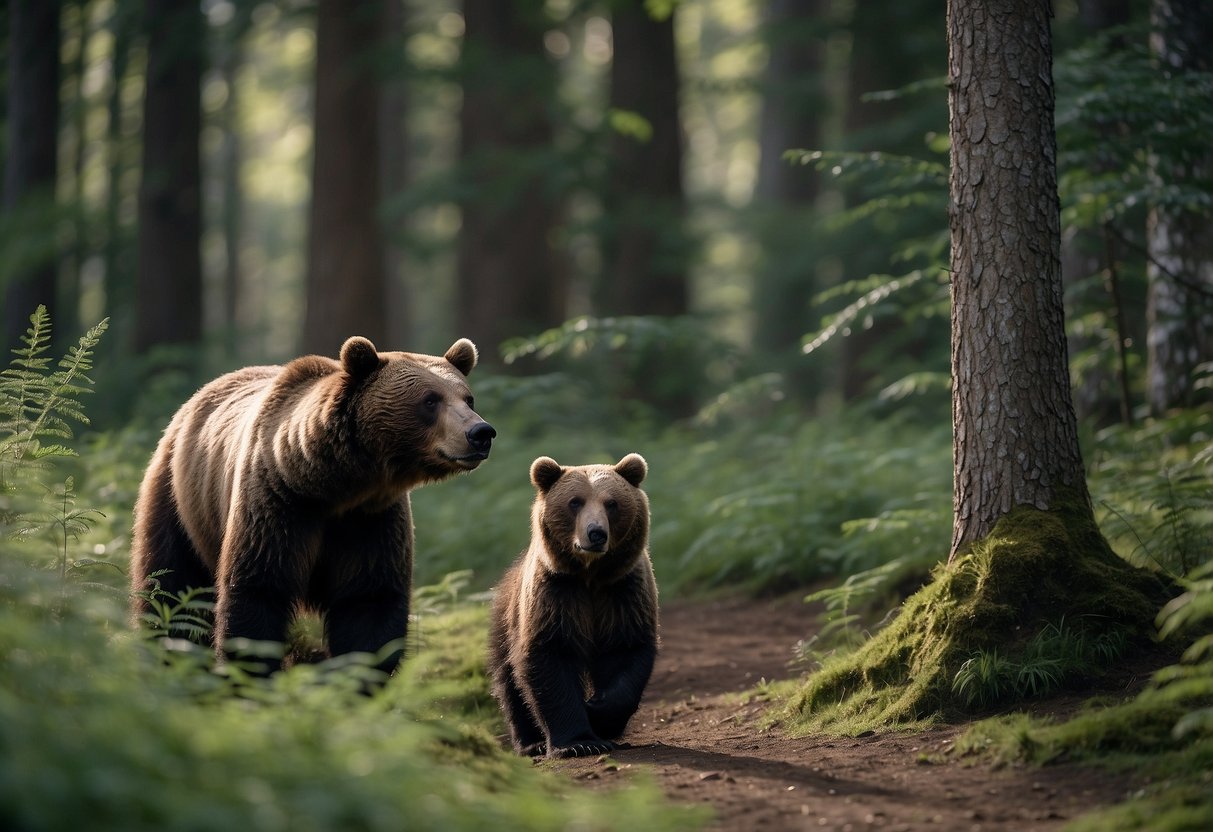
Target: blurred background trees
556 179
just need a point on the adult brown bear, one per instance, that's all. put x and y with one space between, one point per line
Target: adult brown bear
573 635
286 488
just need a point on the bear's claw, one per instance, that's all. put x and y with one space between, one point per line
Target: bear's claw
587 748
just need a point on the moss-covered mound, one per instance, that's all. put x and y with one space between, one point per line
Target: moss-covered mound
1037 572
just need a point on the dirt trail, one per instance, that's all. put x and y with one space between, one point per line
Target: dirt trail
703 746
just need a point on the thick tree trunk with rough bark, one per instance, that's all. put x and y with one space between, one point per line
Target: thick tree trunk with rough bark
1180 271
1015 434
346 287
31 161
168 302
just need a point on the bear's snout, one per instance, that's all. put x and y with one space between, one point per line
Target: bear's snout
480 437
595 539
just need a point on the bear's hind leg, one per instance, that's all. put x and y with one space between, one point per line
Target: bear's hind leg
164 564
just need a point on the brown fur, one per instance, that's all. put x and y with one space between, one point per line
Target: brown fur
286 488
573 635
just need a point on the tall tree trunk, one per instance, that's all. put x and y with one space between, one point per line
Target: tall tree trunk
1020 486
31 161
394 175
74 258
1180 270
230 59
168 300
510 280
119 275
346 288
793 108
1015 433
644 246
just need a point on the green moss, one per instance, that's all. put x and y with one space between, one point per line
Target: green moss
1034 569
1137 736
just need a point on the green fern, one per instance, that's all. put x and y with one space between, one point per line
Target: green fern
183 615
37 406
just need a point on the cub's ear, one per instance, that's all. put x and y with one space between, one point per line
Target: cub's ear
632 468
358 357
463 355
545 471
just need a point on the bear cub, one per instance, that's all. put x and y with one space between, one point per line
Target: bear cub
573 634
287 489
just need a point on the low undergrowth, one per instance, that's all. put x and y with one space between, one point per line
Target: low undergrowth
101 730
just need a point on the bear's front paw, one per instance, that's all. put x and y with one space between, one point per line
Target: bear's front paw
535 749
583 748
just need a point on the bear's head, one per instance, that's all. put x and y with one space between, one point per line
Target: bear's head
414 413
589 514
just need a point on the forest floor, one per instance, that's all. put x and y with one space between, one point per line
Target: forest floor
703 743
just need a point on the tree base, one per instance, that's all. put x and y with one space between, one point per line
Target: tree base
1042 602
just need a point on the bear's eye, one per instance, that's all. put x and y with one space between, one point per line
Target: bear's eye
431 400
576 503
611 505
471 402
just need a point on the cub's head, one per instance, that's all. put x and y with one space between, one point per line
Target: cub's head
591 513
414 413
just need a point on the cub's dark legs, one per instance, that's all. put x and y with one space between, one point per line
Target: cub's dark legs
525 735
557 699
619 682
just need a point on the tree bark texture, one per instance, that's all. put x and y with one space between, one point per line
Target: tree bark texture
32 141
1180 269
645 249
346 283
510 279
168 301
1015 436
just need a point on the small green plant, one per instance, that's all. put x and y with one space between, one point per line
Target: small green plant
37 406
187 614
842 626
1192 612
983 678
1057 655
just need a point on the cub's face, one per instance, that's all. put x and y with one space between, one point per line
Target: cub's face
587 512
416 412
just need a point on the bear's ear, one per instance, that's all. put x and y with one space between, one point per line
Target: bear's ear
632 468
545 471
463 355
358 357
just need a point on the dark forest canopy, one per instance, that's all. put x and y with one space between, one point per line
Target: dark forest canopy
521 164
